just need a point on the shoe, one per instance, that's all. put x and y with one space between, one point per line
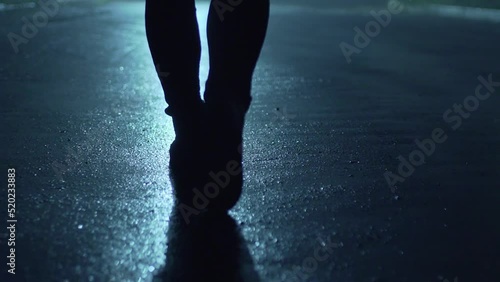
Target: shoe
188 170
226 123
206 159
188 121
188 152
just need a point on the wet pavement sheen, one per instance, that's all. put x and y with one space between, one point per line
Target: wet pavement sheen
82 113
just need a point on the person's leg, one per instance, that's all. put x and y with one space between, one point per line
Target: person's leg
173 37
236 30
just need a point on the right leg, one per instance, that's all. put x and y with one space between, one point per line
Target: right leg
235 31
235 38
174 41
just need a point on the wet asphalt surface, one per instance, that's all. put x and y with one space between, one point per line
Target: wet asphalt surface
84 128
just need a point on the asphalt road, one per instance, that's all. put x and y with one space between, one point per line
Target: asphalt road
83 127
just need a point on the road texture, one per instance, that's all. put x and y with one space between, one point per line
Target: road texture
83 127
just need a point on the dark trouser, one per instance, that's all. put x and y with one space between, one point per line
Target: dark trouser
235 30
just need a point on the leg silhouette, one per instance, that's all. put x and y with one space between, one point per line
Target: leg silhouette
208 145
174 42
235 37
235 30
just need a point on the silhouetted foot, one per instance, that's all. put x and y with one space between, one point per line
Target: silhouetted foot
188 152
188 165
206 170
225 153
189 121
204 184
